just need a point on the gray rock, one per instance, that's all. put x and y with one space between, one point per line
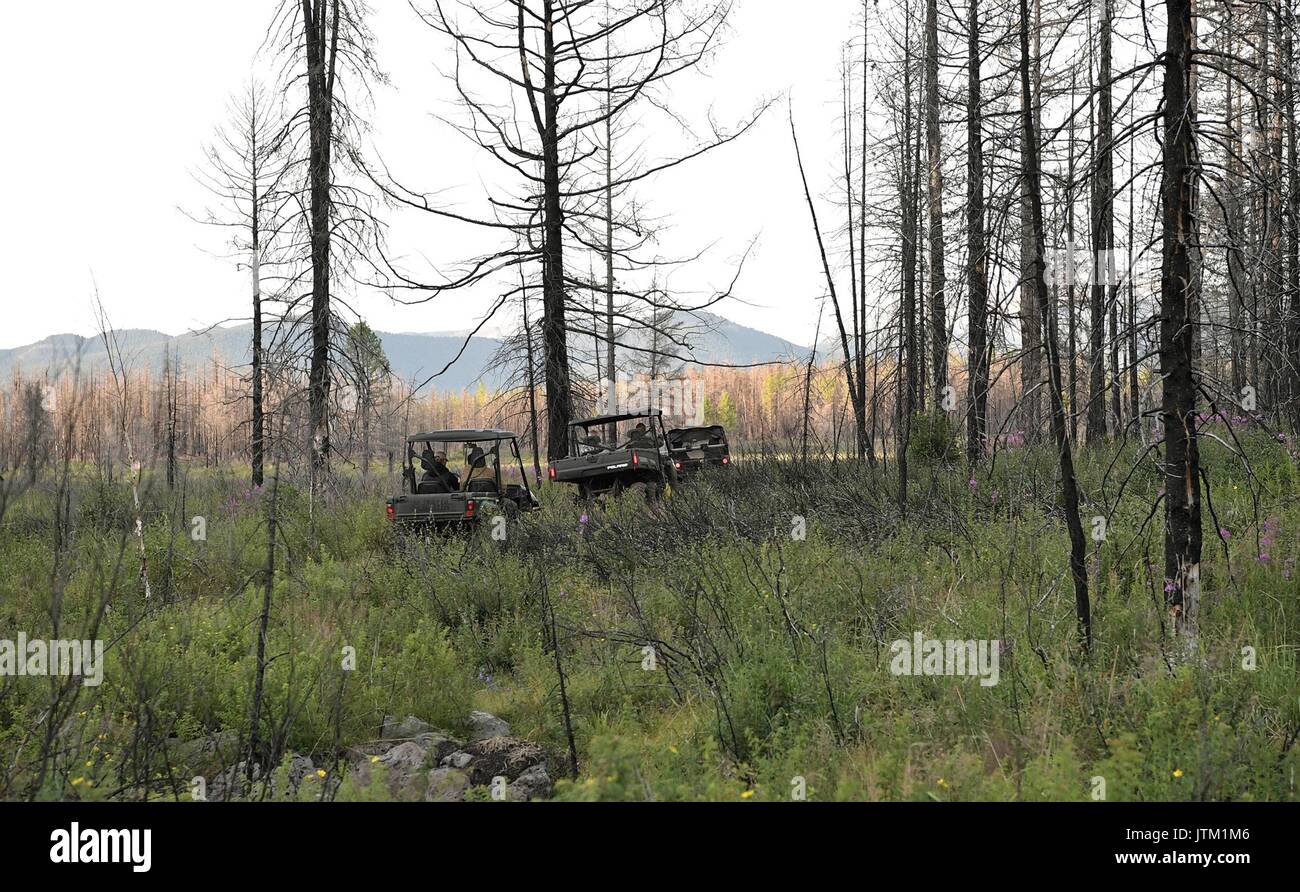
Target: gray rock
485 726
534 783
205 755
447 785
299 767
405 758
231 783
406 729
362 752
458 759
407 780
437 745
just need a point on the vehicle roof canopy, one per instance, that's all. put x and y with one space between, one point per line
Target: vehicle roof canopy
460 436
615 419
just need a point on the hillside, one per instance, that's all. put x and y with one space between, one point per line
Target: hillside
414 356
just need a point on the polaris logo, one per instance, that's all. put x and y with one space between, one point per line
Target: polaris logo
616 467
77 846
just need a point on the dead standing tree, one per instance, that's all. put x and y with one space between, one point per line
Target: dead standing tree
557 72
934 194
1103 238
976 253
1032 179
245 168
1178 296
328 47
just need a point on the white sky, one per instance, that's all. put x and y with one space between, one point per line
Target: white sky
107 107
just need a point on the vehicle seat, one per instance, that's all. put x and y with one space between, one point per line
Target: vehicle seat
482 485
432 486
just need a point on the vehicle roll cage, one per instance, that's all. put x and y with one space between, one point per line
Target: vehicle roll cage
469 438
654 416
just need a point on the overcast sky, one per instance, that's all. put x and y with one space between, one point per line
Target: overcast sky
108 105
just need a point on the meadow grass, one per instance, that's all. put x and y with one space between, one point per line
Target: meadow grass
731 642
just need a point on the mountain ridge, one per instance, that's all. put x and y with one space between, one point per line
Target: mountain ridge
413 356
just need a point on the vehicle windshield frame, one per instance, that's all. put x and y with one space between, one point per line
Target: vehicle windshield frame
655 428
433 439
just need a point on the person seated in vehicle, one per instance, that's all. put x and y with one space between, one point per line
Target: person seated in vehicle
639 438
450 477
437 476
482 476
592 443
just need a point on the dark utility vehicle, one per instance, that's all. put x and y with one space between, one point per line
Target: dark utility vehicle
456 478
636 458
693 448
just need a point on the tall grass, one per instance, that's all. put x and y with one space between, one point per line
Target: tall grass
732 641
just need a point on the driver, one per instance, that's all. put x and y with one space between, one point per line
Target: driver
448 476
639 437
435 468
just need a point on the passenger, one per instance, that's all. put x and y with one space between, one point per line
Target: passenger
478 468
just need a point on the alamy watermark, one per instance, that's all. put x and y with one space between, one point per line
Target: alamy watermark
60 656
931 656
1073 265
90 846
675 397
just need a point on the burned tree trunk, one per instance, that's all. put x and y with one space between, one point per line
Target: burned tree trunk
934 154
1031 322
1178 298
321 55
1038 283
1103 239
976 254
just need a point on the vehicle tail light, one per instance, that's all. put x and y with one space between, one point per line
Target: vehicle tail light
636 459
552 472
469 508
726 459
677 465
390 511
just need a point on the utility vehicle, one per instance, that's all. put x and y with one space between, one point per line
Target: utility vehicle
637 457
460 479
694 448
